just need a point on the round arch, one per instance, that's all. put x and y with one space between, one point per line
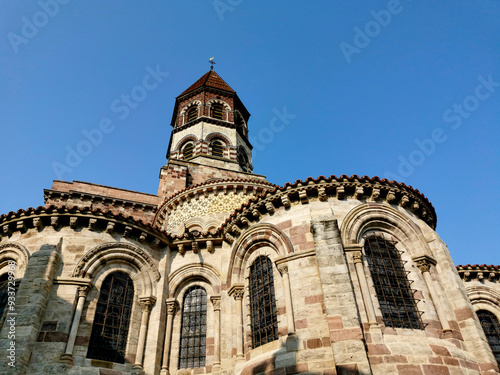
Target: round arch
255 237
484 298
194 272
189 105
219 136
184 140
379 217
106 258
12 251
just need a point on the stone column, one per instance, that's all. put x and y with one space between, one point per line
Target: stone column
216 305
82 295
172 306
424 264
145 303
283 269
365 290
237 292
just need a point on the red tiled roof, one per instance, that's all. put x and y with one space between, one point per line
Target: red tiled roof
210 79
342 178
477 266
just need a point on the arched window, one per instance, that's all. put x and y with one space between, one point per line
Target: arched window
217 111
491 329
217 148
187 151
4 288
264 322
192 349
108 340
392 287
192 113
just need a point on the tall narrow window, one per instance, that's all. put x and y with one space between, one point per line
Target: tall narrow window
193 328
188 151
392 287
108 340
491 329
192 114
264 322
217 148
4 286
217 111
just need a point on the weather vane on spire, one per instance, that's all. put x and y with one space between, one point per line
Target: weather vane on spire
211 61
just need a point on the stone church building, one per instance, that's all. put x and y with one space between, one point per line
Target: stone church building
223 272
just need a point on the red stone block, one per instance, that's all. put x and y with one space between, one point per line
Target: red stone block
378 349
409 369
314 343
440 350
435 370
302 323
395 359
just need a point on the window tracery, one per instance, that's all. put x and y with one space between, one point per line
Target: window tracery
108 339
392 287
263 313
192 350
491 328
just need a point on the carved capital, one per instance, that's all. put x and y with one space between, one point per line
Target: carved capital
146 303
282 268
215 302
424 263
357 257
172 306
83 291
237 291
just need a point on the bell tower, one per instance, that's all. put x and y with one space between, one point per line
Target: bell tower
209 139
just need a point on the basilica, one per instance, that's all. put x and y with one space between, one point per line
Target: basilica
224 272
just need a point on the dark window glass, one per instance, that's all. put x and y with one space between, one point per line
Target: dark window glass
193 328
188 151
4 285
112 319
491 329
392 287
192 114
217 111
264 322
217 149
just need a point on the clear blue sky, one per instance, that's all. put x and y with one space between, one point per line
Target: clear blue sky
365 82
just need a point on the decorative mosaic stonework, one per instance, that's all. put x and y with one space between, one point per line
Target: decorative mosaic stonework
203 207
